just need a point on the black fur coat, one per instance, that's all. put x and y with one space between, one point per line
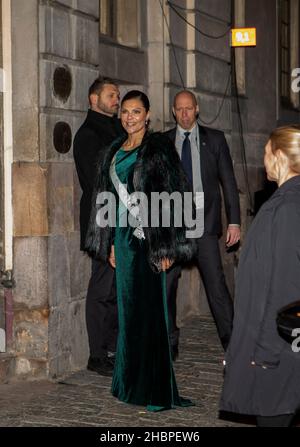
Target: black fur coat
158 168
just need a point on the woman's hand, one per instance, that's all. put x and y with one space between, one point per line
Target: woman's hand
111 258
166 264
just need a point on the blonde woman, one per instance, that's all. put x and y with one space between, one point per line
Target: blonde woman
262 371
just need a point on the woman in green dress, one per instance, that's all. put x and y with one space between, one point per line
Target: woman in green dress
143 373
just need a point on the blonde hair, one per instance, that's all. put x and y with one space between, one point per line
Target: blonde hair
287 139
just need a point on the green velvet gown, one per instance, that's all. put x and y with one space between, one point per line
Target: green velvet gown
143 373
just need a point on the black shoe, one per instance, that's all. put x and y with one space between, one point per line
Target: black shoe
111 358
101 366
111 354
174 352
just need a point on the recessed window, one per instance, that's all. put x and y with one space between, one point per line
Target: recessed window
62 83
119 21
62 137
107 15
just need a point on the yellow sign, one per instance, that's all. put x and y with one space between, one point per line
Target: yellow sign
243 37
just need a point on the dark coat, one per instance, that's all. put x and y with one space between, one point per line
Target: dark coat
90 143
158 168
268 278
216 168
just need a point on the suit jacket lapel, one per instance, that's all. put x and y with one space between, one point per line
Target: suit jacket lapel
204 149
172 135
204 143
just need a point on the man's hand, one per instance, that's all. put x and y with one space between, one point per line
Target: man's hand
166 264
233 235
111 258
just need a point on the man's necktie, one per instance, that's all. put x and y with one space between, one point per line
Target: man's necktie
186 157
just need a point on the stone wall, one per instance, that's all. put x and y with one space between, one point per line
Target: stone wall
57 62
60 53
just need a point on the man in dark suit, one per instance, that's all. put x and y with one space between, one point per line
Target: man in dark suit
95 135
206 159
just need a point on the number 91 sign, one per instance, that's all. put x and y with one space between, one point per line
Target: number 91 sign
243 37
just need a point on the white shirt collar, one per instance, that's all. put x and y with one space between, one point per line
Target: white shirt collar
183 131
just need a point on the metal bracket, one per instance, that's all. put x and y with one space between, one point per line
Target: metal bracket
7 280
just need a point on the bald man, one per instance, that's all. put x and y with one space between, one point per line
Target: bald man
207 162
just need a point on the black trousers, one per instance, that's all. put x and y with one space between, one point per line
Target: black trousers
101 310
209 263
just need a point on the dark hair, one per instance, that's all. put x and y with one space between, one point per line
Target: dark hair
133 94
99 83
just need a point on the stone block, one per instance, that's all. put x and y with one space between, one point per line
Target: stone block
79 340
155 23
212 74
219 9
83 77
69 3
59 366
170 93
45 29
179 38
77 193
218 48
89 7
255 146
48 97
209 107
255 176
78 121
107 60
62 326
80 267
60 198
131 66
67 35
37 316
31 339
61 37
47 125
174 74
87 40
58 270
31 368
2 310
68 338
30 272
30 199
156 69
53 331
25 86
55 32
2 340
7 366
188 295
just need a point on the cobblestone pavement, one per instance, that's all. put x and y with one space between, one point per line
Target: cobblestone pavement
84 400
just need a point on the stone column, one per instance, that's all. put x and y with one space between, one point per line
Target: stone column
156 62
